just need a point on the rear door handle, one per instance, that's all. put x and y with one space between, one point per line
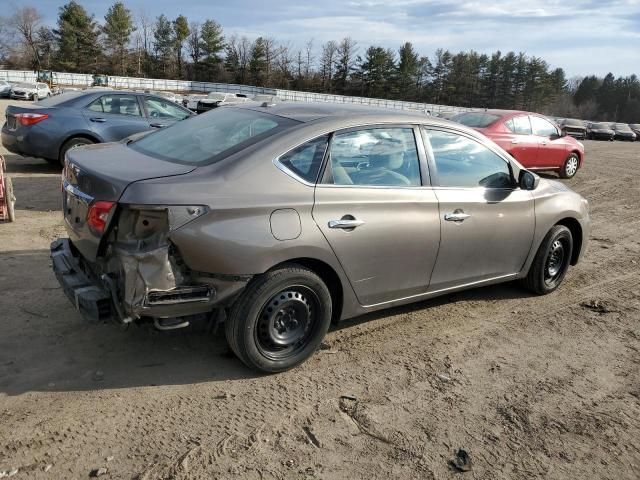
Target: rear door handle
346 223
515 142
98 119
457 216
543 142
158 125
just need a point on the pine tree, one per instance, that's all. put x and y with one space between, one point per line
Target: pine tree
212 46
163 43
408 70
180 34
77 35
118 27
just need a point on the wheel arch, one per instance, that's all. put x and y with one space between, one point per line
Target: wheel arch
328 275
88 136
576 233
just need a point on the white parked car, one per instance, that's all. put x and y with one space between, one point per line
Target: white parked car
169 96
30 91
5 88
191 101
217 99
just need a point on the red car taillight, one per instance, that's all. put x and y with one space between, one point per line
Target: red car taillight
27 119
98 215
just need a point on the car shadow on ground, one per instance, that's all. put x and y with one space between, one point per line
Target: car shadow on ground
37 193
47 346
17 164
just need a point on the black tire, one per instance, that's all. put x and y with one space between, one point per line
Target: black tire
551 263
280 319
570 167
73 143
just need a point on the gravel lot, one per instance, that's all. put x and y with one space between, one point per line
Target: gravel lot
531 387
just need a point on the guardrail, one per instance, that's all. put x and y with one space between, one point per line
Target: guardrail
187 86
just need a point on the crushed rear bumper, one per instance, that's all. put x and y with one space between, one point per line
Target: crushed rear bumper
90 298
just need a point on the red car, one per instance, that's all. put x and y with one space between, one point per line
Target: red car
533 140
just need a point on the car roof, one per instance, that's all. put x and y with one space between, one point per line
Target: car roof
310 111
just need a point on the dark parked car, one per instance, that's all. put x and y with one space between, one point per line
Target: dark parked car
530 138
600 131
574 128
49 128
279 219
635 128
623 132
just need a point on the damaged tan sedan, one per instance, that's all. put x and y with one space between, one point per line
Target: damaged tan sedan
278 219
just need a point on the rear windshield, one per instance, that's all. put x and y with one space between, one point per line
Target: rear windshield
60 99
211 137
476 119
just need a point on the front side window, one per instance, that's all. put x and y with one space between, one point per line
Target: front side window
164 109
305 160
542 127
465 163
116 105
208 138
375 157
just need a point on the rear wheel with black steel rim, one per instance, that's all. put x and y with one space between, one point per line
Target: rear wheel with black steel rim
570 167
551 262
280 319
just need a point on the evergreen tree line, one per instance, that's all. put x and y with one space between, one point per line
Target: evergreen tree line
122 44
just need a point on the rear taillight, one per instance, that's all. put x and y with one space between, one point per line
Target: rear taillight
98 215
26 119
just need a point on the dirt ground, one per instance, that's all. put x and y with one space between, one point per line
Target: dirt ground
531 387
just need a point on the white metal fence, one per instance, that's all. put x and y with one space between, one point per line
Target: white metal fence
187 86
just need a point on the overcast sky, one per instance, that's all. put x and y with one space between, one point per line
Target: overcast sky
581 36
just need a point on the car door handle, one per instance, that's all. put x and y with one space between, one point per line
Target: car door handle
346 223
158 125
456 216
543 142
98 119
515 142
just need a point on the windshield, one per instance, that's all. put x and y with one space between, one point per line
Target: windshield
573 122
24 85
621 126
476 119
211 137
601 126
217 96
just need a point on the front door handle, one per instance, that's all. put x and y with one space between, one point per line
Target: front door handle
98 119
158 125
346 223
515 141
457 216
543 142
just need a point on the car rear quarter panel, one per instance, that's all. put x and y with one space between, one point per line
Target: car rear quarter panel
235 237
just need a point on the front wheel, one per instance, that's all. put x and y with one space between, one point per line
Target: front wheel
280 319
551 262
570 167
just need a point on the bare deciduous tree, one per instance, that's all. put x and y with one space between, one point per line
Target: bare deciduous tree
26 21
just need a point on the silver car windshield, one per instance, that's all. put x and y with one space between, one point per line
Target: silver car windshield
211 137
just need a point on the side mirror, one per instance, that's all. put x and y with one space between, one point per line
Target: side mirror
528 180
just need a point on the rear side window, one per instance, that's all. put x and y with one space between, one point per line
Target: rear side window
305 160
519 125
208 138
465 163
116 105
375 157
